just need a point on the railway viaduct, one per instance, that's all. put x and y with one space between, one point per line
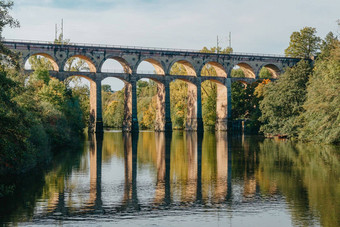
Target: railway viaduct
162 60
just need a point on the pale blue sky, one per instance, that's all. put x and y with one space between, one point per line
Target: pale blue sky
261 26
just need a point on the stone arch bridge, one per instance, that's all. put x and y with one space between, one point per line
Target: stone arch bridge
162 60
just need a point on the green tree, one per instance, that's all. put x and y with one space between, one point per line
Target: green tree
113 108
303 44
283 101
7 56
322 107
265 73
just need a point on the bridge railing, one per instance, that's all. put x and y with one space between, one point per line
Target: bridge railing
136 47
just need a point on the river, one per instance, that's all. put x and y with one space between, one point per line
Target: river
181 179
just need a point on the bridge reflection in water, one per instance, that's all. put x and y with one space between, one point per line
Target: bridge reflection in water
129 177
180 180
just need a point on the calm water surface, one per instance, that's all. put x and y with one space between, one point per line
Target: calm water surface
182 179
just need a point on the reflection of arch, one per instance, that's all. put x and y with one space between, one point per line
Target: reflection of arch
88 60
156 64
273 69
187 65
219 69
121 61
49 58
247 70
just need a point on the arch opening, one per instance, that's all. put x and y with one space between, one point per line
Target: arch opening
113 102
213 69
215 103
41 60
243 70
183 104
178 103
79 63
115 65
150 66
182 67
269 71
82 87
150 104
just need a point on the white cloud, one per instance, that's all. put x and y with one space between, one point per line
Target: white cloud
256 26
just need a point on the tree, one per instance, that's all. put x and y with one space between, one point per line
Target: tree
7 20
303 44
321 118
283 101
327 45
106 88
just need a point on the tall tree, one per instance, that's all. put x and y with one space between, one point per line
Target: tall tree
322 116
7 20
303 44
283 101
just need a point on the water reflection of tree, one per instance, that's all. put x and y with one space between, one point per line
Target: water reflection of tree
48 184
307 175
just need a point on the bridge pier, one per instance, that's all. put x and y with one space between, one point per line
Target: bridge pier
168 123
163 117
194 120
96 119
223 106
130 122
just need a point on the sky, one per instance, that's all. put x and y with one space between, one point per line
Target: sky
256 26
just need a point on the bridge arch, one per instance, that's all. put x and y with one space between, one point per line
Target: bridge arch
116 106
90 61
247 69
54 64
183 65
213 68
274 70
95 112
124 63
157 65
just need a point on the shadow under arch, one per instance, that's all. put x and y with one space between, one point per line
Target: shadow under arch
273 69
248 71
53 62
126 66
187 66
216 67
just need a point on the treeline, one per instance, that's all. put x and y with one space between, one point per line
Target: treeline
37 113
304 102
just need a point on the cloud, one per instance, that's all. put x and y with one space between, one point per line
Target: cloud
262 26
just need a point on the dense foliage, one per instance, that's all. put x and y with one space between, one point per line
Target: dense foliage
303 44
321 119
283 101
304 102
37 112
